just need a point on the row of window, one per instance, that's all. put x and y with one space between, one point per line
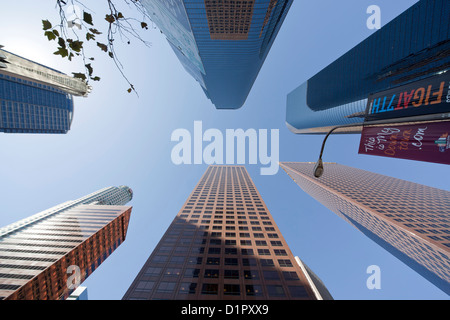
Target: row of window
227 289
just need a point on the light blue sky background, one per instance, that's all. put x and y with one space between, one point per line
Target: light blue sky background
118 138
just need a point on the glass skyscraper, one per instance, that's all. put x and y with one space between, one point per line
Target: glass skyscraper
35 98
412 47
410 220
44 256
222 44
224 244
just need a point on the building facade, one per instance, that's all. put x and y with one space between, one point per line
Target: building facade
410 220
224 244
412 47
46 256
222 44
35 98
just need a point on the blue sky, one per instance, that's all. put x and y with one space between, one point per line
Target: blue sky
118 138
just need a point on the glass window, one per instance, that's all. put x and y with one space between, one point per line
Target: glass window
210 288
275 291
253 290
298 292
231 289
166 287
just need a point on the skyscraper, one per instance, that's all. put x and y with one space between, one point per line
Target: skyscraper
412 47
35 98
45 256
222 44
409 220
224 244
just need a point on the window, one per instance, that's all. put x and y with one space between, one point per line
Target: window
298 292
214 251
145 286
251 275
211 273
275 291
231 289
231 274
284 263
271 275
209 288
191 273
213 261
290 275
249 262
152 271
231 261
187 288
172 272
264 252
254 291
166 287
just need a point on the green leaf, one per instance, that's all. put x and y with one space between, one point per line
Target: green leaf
46 24
90 36
129 90
102 46
76 45
62 52
79 75
50 35
61 42
110 18
87 17
111 54
96 78
94 31
55 32
89 67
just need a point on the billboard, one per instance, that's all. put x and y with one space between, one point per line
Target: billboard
427 141
427 96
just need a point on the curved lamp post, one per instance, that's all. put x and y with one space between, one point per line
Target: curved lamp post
318 168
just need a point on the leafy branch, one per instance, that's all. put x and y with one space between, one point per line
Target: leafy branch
71 45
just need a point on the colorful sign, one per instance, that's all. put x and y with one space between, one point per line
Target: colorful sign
428 96
429 141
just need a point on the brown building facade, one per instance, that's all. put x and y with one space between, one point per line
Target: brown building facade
48 258
410 220
224 244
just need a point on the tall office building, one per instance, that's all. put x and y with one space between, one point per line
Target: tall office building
222 44
224 244
412 47
410 220
45 256
35 98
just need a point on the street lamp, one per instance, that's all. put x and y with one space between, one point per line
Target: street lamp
318 168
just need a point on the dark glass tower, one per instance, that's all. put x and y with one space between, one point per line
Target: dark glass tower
410 220
44 256
35 98
412 47
222 44
224 244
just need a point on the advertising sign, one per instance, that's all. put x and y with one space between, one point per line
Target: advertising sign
428 96
429 141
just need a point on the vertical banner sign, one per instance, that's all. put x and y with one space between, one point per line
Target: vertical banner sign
429 141
427 96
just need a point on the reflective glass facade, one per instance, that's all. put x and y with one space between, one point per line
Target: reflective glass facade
35 98
31 107
413 46
43 257
222 44
410 220
224 244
